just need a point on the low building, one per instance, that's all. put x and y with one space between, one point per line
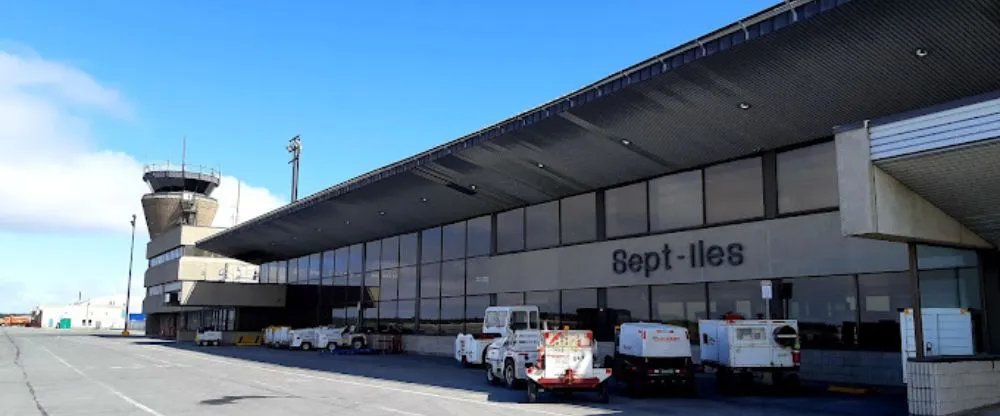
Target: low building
842 152
97 313
188 287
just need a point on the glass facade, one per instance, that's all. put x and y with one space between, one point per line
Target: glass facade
437 280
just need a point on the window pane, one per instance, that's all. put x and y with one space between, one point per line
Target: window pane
734 191
389 285
372 287
681 305
542 225
625 210
882 296
282 272
548 306
741 298
454 241
935 257
477 280
430 316
634 300
314 271
510 231
968 288
430 245
807 178
573 301
408 249
356 263
328 260
407 316
479 235
340 265
452 315
388 316
408 282
826 308
676 201
453 278
578 217
510 299
369 316
390 252
475 310
373 254
293 271
430 280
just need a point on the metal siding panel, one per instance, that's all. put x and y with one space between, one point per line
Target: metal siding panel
946 128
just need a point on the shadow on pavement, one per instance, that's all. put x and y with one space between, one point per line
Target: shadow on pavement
444 372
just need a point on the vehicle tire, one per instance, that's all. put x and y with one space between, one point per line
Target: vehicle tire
724 381
691 388
201 343
357 343
602 393
509 374
215 343
490 377
532 392
306 346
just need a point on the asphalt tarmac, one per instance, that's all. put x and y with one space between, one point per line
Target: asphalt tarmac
63 373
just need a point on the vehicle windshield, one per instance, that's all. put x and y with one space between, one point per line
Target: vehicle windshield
520 320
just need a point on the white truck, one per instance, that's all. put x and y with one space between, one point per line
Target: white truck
507 357
742 352
566 364
277 336
208 336
470 349
346 337
651 354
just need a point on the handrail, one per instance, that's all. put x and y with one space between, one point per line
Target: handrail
186 167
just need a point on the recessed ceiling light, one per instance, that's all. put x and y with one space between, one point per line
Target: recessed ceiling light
744 106
319 229
423 199
381 213
473 187
920 52
626 142
347 222
540 165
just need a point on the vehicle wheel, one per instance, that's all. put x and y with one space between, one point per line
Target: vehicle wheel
691 387
215 343
532 392
357 343
723 381
509 374
201 343
306 346
490 377
602 393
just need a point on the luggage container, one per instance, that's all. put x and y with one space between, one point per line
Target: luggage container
947 331
743 352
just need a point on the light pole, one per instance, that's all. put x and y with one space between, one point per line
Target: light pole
128 289
295 148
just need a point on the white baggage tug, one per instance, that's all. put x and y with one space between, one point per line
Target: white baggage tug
566 364
470 349
651 354
743 352
507 357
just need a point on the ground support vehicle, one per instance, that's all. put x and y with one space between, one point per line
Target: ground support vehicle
470 349
277 336
346 337
746 352
566 364
208 336
508 357
652 356
307 339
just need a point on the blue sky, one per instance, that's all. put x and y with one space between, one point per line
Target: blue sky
90 91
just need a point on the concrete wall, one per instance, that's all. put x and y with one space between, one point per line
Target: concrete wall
440 346
200 268
154 304
873 204
163 211
185 235
232 294
953 386
799 246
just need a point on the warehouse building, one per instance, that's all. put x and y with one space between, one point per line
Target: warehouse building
837 149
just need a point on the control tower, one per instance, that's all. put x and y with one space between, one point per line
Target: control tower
181 195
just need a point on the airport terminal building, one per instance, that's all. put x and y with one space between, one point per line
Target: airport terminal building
845 151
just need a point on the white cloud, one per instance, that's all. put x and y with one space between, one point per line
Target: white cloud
53 179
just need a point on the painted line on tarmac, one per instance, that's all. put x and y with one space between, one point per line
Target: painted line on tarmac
120 395
363 384
402 412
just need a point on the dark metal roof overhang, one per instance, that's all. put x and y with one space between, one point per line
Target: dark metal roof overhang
830 62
